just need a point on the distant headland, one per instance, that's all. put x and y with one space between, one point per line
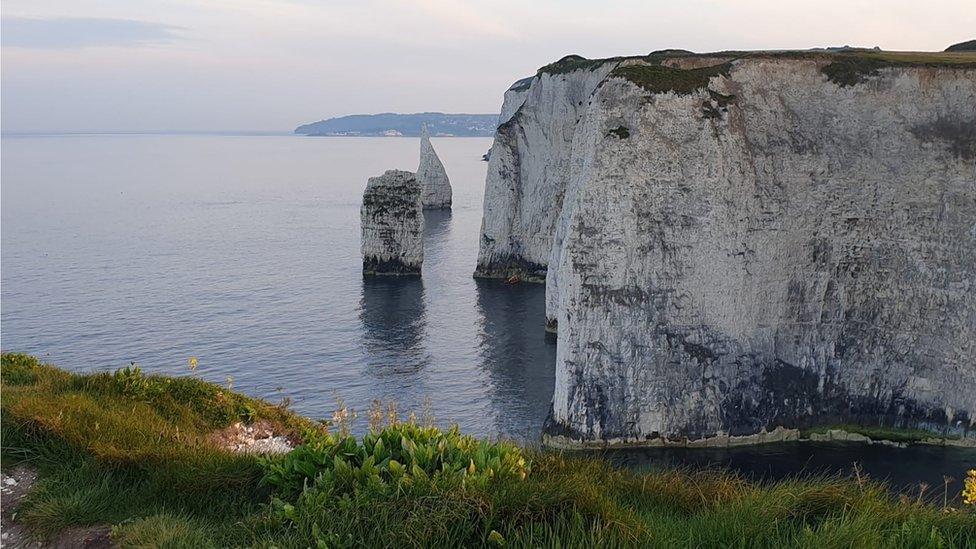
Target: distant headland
407 125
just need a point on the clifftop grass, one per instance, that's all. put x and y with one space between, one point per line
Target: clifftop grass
572 63
844 68
132 450
127 417
660 78
850 69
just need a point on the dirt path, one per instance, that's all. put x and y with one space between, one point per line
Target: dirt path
14 486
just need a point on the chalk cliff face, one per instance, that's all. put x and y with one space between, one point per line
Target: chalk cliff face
432 176
514 98
528 170
740 244
392 224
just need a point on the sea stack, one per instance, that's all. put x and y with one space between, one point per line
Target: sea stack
432 176
392 224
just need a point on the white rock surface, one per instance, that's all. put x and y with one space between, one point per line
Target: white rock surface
514 98
432 176
775 250
264 446
528 171
392 224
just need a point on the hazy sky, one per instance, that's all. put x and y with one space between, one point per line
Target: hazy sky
75 65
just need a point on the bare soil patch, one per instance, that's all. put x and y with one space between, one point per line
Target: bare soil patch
14 486
260 437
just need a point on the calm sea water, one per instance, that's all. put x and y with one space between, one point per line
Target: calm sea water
244 252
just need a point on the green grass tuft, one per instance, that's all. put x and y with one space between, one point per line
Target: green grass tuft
853 70
662 79
572 63
620 132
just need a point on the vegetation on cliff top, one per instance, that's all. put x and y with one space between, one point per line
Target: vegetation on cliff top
845 68
572 63
969 45
661 78
849 69
135 451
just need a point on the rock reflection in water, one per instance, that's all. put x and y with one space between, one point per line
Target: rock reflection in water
394 322
437 229
516 356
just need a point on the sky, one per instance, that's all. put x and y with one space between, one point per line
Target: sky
270 65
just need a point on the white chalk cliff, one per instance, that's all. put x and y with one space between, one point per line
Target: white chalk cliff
513 99
735 244
528 171
432 176
392 224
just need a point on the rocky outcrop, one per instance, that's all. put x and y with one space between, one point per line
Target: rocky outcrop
392 224
432 176
740 244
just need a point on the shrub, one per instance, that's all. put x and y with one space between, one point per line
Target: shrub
389 458
662 79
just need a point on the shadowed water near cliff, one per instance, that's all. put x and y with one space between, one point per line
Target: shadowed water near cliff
244 252
941 469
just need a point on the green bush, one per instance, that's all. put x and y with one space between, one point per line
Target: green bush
390 458
413 485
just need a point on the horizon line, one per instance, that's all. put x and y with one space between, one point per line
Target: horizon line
29 133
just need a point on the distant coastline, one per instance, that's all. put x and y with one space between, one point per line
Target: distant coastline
403 125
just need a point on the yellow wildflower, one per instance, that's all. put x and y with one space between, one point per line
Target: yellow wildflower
496 538
969 492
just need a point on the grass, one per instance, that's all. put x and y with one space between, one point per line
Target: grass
661 78
847 68
850 69
572 63
132 450
920 59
